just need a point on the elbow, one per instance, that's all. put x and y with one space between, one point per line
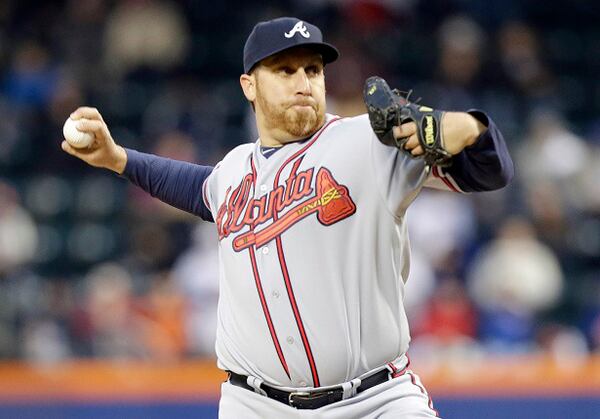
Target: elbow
506 173
494 177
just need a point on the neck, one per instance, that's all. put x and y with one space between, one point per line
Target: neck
275 137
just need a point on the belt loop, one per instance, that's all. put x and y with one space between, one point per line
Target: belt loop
391 370
255 383
355 385
349 388
403 360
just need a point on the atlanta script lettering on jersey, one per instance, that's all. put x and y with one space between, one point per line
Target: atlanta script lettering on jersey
328 199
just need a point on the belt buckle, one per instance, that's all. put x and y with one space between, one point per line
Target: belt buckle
296 393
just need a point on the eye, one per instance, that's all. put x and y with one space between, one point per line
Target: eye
286 70
313 70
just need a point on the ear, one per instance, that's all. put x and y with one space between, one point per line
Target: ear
248 83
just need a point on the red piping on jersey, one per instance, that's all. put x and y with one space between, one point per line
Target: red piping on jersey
261 295
204 197
292 298
395 371
266 311
437 174
430 402
284 269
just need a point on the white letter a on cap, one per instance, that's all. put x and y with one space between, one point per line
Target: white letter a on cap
300 28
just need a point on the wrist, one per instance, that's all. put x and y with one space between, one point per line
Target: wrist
120 160
475 129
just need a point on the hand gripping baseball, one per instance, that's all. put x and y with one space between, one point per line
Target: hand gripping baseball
103 152
388 108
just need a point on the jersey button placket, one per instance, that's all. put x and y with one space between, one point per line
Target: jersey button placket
280 311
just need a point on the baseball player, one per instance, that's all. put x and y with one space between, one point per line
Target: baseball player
312 231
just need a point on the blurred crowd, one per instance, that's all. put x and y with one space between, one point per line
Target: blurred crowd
93 267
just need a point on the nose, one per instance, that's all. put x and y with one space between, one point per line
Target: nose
302 83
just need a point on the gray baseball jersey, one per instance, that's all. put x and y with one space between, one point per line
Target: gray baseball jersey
314 254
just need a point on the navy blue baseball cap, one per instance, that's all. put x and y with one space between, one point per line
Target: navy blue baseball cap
273 36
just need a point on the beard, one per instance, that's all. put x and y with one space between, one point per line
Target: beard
298 122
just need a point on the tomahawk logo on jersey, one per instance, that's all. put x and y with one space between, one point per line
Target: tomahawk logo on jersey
300 195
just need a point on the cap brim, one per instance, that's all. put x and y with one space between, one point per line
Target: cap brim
327 51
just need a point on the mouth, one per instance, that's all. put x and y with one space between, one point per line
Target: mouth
302 105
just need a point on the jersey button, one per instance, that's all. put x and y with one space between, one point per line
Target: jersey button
265 250
263 188
302 384
290 340
275 294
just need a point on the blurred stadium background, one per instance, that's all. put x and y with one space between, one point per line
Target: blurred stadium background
107 297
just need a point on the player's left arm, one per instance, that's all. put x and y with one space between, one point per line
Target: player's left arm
480 161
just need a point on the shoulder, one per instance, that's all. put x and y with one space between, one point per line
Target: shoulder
233 160
351 127
350 122
241 152
236 156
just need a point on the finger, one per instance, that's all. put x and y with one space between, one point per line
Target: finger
397 131
411 143
68 149
417 151
409 128
86 112
95 127
405 130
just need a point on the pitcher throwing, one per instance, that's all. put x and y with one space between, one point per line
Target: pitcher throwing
312 232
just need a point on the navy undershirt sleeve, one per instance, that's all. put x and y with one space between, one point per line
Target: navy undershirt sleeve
486 165
174 182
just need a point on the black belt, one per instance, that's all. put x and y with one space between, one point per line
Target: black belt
312 399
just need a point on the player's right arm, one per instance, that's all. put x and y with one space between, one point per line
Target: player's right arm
174 182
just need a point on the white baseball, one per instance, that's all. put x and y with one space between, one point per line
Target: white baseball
76 138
